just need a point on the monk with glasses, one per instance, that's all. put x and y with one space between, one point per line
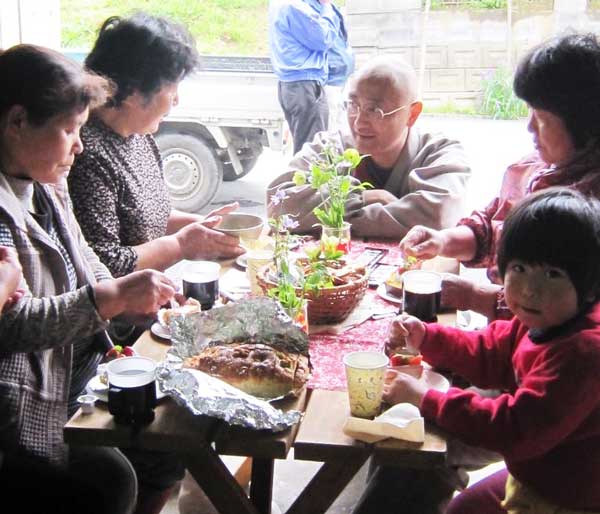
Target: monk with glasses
417 177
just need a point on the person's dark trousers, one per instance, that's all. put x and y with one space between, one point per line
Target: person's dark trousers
395 490
98 480
304 105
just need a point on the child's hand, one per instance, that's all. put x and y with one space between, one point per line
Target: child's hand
400 387
405 332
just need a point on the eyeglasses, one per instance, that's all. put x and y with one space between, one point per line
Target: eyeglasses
370 112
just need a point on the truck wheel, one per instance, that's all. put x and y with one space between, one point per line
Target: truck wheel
229 174
192 171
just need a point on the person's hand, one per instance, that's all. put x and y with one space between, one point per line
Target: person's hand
141 293
371 196
463 294
198 241
422 242
400 387
10 277
221 211
457 292
405 332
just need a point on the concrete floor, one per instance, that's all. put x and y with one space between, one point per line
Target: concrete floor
290 478
491 147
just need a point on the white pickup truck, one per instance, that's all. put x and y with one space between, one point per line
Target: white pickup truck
227 112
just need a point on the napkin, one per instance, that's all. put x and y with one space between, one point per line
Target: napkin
234 284
402 421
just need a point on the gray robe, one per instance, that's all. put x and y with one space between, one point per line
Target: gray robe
429 180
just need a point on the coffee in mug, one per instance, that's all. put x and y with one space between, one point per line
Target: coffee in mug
132 390
422 292
201 281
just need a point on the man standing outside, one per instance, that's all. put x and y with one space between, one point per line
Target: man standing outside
300 34
340 65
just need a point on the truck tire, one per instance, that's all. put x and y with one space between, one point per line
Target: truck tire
229 174
248 161
193 172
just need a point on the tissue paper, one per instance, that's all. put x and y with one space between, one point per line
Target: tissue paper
402 421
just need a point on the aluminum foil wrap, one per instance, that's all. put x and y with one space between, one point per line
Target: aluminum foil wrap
259 319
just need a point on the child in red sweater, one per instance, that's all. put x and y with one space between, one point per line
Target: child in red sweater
546 423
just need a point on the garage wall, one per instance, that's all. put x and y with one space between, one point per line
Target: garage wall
30 21
460 47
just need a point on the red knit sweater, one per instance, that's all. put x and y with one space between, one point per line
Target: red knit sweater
547 423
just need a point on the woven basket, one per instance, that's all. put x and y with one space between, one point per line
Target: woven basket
330 305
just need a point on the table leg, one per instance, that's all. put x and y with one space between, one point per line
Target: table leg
243 474
261 484
327 485
217 482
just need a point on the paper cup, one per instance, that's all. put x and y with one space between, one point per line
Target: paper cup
365 372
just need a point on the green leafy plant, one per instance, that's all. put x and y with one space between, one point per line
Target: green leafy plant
331 175
288 277
294 280
499 100
318 278
330 248
286 294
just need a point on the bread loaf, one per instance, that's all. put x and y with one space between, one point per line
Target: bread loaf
255 368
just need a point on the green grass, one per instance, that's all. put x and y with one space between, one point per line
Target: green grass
499 100
225 27
222 27
239 27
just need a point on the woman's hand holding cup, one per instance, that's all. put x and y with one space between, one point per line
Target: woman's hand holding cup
198 241
221 211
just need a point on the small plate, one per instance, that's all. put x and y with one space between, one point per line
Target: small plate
435 381
100 390
159 331
242 261
381 291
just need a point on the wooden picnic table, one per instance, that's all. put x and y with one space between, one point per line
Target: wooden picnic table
199 440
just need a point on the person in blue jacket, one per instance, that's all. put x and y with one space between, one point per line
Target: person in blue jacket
340 58
340 65
301 33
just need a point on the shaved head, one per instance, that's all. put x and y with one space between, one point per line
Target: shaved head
389 85
393 71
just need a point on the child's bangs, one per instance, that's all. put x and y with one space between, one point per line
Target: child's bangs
558 243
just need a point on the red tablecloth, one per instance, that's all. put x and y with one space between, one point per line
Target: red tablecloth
326 351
